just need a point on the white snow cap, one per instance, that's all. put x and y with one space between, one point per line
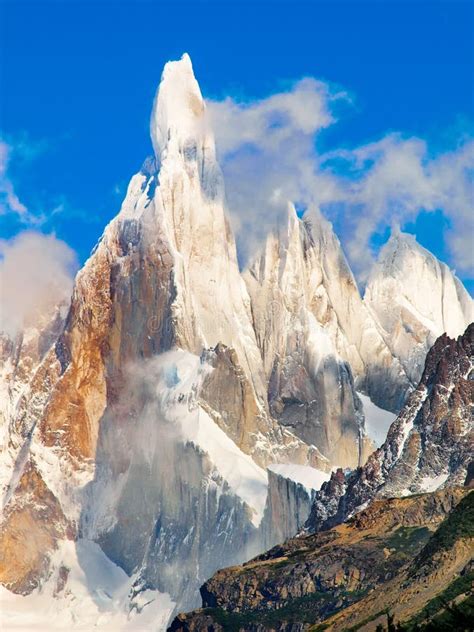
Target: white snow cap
178 110
409 282
399 246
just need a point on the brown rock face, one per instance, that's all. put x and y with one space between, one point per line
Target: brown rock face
229 397
119 311
29 532
228 389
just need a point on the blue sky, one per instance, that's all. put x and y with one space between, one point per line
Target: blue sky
78 80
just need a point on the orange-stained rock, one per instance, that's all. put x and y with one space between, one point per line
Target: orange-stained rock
28 533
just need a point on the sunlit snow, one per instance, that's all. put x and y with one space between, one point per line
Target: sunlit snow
85 591
377 420
246 479
432 483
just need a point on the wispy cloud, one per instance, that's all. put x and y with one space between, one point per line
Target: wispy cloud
394 179
269 153
267 150
48 211
36 275
9 200
21 150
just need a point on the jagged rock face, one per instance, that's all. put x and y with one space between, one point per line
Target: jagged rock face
35 520
306 580
310 387
226 394
30 530
415 298
287 508
429 445
314 331
307 356
19 359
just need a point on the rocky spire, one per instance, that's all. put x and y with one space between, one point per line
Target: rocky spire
178 116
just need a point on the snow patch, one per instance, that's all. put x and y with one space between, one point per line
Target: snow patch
432 483
377 420
85 591
246 479
407 428
320 345
64 480
178 384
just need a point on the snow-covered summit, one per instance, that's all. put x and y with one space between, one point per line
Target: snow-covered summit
178 120
415 271
415 298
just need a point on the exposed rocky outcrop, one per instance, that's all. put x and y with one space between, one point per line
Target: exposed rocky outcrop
442 572
287 507
32 526
312 325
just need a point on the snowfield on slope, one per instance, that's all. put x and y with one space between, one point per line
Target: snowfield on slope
305 475
377 420
179 380
85 591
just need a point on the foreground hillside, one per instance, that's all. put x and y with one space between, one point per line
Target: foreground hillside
405 556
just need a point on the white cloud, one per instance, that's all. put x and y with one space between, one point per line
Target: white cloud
269 122
396 178
22 150
36 275
9 201
453 173
269 154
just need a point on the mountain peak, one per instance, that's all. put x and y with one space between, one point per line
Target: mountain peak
415 298
399 244
178 108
